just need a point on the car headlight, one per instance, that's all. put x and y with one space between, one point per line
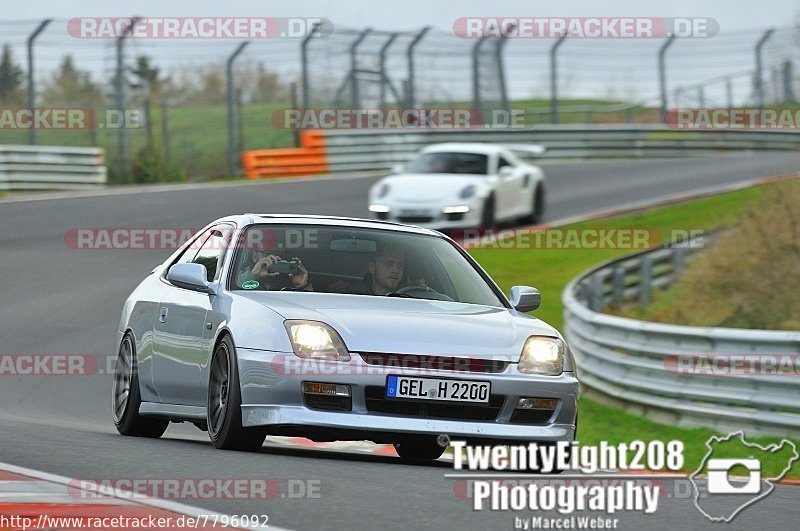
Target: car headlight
542 355
467 192
383 190
311 339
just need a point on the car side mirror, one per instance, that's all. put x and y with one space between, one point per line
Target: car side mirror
525 298
190 276
506 172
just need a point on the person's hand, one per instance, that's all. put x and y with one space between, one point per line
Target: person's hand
419 282
261 268
300 279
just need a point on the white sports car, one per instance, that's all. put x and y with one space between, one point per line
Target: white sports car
455 185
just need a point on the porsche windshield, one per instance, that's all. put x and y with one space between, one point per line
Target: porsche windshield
447 162
356 261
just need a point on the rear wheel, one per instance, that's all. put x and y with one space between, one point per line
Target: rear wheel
126 397
224 411
424 448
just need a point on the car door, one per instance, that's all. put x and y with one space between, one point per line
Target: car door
509 190
180 355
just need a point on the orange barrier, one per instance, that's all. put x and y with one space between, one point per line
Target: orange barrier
310 158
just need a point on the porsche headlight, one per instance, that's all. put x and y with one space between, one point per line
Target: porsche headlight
311 339
467 192
542 355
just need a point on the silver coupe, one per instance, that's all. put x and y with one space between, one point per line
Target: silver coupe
338 329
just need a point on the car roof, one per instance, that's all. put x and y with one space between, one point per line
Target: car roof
464 147
331 221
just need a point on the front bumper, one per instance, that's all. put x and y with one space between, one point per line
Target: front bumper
429 215
272 395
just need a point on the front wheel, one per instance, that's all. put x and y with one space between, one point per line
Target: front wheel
224 411
126 397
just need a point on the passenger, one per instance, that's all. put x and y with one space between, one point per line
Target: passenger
257 269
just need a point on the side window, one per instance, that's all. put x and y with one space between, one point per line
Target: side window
188 254
502 162
212 250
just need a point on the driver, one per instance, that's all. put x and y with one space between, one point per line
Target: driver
385 274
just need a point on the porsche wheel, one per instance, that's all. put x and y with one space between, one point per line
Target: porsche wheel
224 411
126 397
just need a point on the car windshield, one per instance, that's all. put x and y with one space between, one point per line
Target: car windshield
447 162
357 261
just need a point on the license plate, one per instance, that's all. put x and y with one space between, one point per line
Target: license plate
437 389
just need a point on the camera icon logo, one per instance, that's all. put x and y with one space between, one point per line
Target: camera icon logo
719 481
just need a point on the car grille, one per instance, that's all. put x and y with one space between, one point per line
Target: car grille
434 363
414 219
376 401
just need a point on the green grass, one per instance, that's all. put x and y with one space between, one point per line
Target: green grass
550 270
198 136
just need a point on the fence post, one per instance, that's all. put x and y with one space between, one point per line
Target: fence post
232 158
122 149
788 89
165 130
662 76
304 62
760 66
293 94
382 67
411 96
679 257
476 76
554 79
502 75
31 89
729 92
645 280
701 96
355 100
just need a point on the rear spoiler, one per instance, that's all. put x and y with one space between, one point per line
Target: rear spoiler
531 150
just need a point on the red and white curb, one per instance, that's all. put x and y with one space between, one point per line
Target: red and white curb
356 447
30 499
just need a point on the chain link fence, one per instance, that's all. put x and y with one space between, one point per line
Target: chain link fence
182 122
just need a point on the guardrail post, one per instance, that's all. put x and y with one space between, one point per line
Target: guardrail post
31 89
645 280
122 152
554 79
679 257
662 76
760 67
597 300
304 62
232 158
618 283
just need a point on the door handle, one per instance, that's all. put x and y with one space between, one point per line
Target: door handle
162 317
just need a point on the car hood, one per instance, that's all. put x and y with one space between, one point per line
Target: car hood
411 326
429 187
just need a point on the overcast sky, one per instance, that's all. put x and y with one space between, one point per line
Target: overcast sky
407 14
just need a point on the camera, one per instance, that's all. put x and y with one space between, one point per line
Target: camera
718 482
285 267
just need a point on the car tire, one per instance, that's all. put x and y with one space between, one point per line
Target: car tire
224 408
488 213
537 207
126 396
419 449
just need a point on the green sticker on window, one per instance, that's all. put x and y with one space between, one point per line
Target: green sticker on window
250 284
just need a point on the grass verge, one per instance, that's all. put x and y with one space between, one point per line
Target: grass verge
550 269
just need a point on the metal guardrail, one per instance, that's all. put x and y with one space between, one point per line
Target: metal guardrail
51 167
634 363
367 150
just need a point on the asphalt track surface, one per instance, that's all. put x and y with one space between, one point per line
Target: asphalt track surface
54 299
